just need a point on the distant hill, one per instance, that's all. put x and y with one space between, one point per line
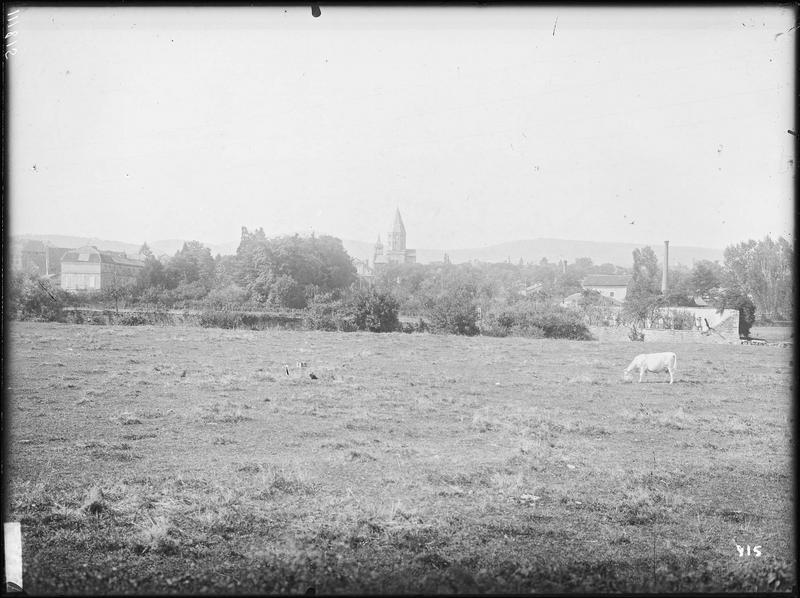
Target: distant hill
530 250
161 247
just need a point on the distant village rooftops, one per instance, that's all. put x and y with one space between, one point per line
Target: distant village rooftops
613 286
607 280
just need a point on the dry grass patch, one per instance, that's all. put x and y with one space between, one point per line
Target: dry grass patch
157 535
128 419
646 505
483 421
274 480
222 440
585 379
139 436
227 412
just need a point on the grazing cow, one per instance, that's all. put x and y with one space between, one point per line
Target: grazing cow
652 362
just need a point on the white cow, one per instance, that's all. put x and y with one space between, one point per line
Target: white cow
652 362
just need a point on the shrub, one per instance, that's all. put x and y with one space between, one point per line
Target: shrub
418 326
455 314
232 293
285 291
374 311
635 335
492 327
190 291
536 321
220 319
34 298
682 320
135 318
325 312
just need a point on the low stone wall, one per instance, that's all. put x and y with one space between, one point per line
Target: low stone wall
610 333
726 321
687 336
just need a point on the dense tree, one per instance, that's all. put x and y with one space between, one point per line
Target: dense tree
192 264
646 274
679 290
705 278
288 270
762 270
152 274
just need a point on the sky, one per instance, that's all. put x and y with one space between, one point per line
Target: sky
481 125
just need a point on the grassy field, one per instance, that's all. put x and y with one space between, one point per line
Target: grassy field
178 460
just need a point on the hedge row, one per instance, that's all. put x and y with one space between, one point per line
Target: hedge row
536 321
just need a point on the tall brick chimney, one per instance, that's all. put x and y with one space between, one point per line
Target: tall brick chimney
666 268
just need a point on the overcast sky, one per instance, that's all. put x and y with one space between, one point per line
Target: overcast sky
482 125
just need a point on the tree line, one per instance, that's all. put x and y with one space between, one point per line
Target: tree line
315 273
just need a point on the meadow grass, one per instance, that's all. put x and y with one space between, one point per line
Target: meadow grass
185 460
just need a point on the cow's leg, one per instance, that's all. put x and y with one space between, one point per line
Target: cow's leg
641 374
670 375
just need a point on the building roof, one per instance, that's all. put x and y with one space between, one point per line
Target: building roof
606 280
90 254
398 226
602 300
121 259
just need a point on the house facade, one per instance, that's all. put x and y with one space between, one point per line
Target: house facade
90 269
614 286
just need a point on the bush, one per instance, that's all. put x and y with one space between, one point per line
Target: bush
135 318
455 314
34 298
287 292
682 320
635 335
536 321
374 311
232 293
220 319
418 326
329 314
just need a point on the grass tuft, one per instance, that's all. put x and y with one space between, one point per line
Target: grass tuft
157 535
228 412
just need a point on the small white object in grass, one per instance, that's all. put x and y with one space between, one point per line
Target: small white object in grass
12 536
570 466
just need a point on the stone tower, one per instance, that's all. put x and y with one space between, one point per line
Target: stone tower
395 251
378 250
397 237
